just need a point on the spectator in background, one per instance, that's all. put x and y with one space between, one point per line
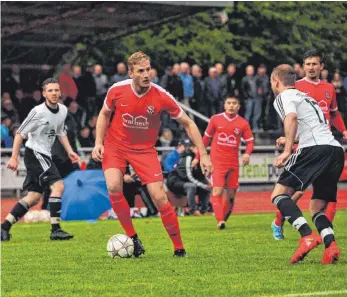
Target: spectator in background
11 82
172 82
341 95
67 85
213 92
165 138
8 110
87 91
325 75
153 74
76 76
299 71
170 160
220 68
187 80
263 92
101 83
84 138
250 87
30 102
78 113
19 103
45 72
121 74
197 102
230 83
6 124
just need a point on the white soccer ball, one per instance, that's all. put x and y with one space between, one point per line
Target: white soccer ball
36 216
120 246
28 218
44 216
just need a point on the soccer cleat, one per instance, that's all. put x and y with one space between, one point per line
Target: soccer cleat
277 231
180 253
138 247
59 234
5 235
331 254
306 244
221 225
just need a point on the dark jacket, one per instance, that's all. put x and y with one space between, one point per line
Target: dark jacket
248 91
174 85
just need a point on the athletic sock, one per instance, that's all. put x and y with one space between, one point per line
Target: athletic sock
17 212
279 221
122 210
291 212
55 209
324 227
216 202
330 211
228 205
170 222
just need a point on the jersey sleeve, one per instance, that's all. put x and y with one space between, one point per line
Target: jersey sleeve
284 106
171 106
333 104
30 124
61 131
210 128
109 100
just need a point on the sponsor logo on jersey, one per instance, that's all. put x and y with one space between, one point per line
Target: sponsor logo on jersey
226 140
327 95
150 109
51 133
323 106
139 122
237 131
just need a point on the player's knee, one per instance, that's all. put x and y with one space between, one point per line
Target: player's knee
57 189
114 188
32 198
217 191
297 195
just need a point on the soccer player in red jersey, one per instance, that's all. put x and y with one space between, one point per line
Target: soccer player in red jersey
324 93
130 139
225 130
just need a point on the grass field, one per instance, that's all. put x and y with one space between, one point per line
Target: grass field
242 260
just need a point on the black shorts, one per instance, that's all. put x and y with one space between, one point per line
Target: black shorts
319 165
41 171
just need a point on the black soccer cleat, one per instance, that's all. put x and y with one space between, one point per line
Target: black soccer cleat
59 234
138 247
5 235
180 253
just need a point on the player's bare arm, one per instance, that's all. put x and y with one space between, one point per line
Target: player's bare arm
13 162
290 129
101 128
66 144
194 134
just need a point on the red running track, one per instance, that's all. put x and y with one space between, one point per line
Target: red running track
246 202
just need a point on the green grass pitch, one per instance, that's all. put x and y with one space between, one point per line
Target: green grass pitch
242 260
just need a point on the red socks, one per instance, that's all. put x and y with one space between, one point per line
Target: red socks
330 211
122 210
279 221
217 205
170 222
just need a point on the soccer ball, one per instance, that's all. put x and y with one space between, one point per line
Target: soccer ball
120 246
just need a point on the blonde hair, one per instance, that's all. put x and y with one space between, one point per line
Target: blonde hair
136 58
285 73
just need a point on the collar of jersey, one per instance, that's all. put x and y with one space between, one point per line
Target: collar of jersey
229 119
51 109
140 95
312 82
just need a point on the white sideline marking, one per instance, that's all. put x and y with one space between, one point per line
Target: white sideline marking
317 293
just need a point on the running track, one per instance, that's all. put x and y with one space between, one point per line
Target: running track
246 202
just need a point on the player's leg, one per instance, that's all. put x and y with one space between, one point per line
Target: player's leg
190 190
232 183
281 197
216 198
17 212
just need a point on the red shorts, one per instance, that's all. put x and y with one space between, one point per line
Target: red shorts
145 163
225 177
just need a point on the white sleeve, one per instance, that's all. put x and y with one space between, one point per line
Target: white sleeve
30 124
61 131
284 106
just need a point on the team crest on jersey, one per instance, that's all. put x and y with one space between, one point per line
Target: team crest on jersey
237 131
150 109
327 95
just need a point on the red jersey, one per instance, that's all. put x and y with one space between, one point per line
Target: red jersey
136 122
321 91
226 136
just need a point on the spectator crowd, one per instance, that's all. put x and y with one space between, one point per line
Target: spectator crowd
84 89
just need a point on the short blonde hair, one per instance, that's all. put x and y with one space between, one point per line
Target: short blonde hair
135 58
285 73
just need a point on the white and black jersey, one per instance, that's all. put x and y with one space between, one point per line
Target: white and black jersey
41 127
313 128
319 158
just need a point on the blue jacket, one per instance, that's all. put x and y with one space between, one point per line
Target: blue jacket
170 160
188 87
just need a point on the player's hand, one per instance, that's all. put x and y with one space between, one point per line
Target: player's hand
281 141
74 157
344 135
12 164
194 163
206 165
245 159
98 152
282 159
